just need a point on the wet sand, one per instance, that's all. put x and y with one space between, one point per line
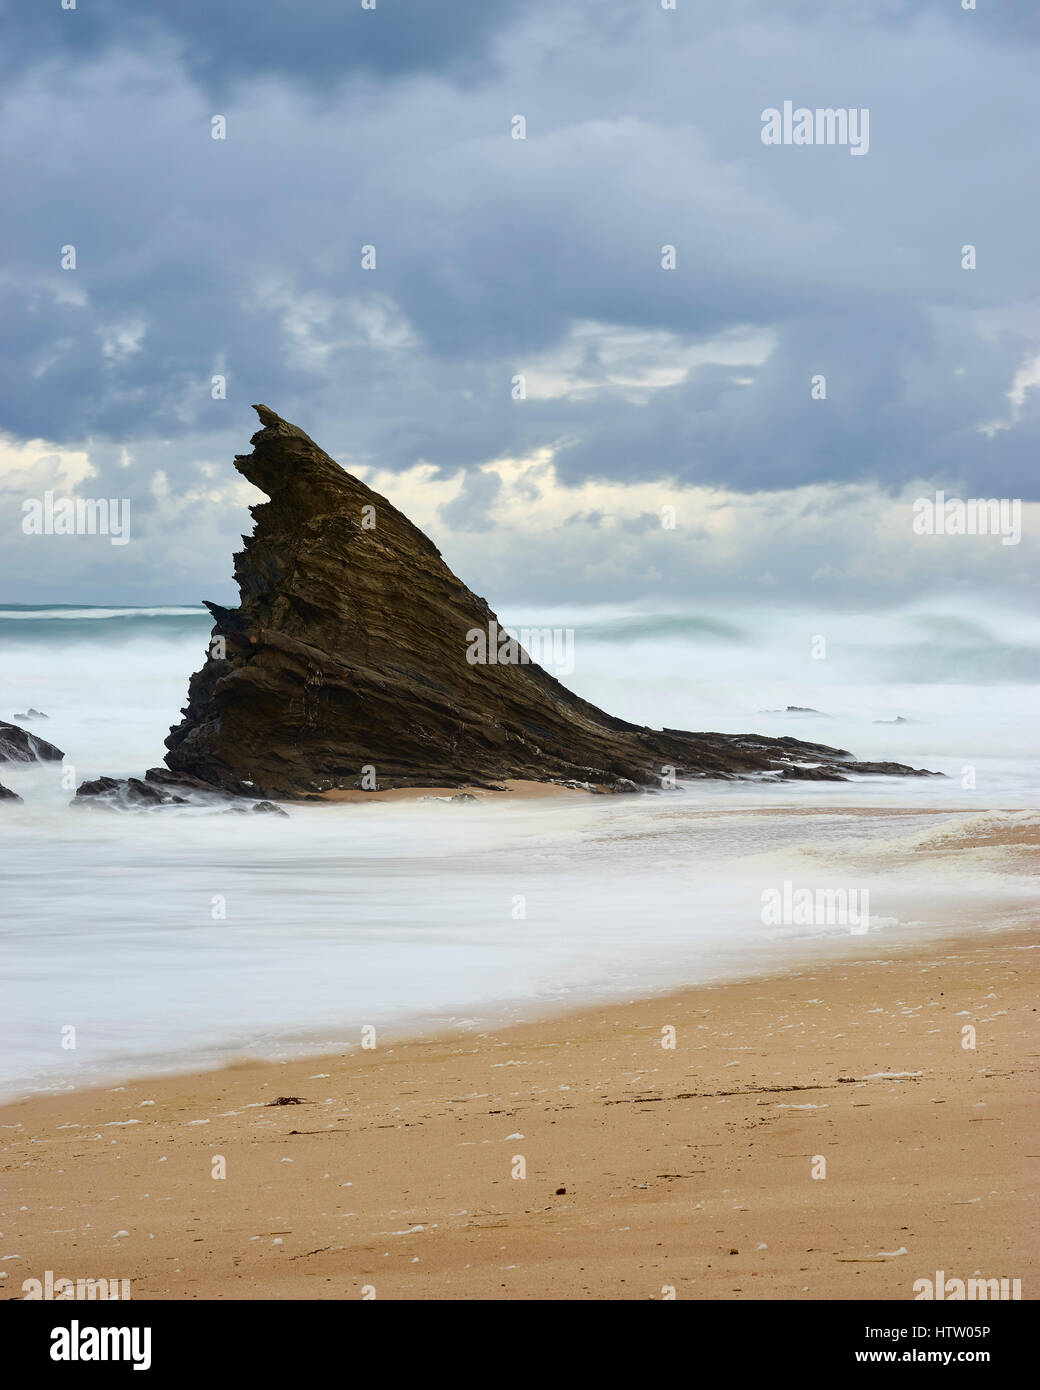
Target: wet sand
645 1168
515 789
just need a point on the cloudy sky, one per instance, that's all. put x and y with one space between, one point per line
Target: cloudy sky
541 257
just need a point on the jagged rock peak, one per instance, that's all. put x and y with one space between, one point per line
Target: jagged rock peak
350 661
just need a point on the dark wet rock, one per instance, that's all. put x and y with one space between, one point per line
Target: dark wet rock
349 650
793 749
140 793
829 772
6 794
125 794
175 781
624 784
185 784
152 793
891 770
18 745
100 786
812 774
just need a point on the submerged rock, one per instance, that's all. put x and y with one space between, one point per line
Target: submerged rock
18 745
258 808
124 794
830 772
6 794
812 774
31 713
892 770
161 787
355 647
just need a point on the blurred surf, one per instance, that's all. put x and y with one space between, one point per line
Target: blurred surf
176 940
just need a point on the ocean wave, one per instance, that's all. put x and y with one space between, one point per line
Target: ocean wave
28 614
982 828
646 628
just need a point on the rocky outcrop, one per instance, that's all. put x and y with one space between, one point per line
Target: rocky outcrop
125 793
357 658
6 794
20 746
161 787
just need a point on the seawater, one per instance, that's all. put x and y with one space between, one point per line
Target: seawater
179 940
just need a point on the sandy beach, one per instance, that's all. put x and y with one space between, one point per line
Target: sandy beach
647 1169
512 789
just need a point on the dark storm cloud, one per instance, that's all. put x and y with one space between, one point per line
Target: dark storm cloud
315 42
539 257
879 421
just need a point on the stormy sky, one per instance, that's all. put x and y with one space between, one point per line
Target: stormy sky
541 258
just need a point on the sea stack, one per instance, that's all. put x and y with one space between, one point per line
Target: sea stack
349 663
